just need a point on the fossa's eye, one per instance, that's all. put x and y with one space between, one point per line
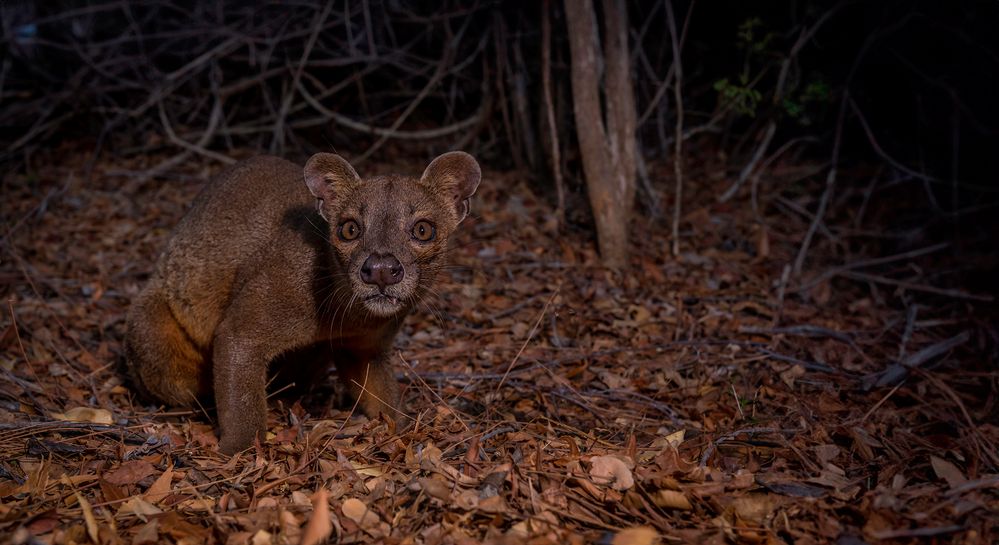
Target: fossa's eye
349 230
424 231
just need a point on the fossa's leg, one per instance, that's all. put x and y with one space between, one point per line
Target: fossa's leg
162 360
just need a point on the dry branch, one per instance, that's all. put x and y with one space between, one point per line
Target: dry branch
678 144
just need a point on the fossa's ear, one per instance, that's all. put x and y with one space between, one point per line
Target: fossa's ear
327 175
455 174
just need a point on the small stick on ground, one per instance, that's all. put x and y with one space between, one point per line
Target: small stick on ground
527 340
728 437
434 392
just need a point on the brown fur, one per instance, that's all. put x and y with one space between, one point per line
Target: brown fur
255 271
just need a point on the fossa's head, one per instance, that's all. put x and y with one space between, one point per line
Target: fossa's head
390 233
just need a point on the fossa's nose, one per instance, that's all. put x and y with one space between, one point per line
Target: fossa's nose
382 270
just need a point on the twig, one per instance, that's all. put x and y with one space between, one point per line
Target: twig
932 351
916 532
953 293
435 79
882 153
436 395
732 435
863 263
527 340
991 481
805 36
678 145
831 178
424 134
807 365
897 372
199 147
768 135
827 193
670 74
178 76
987 451
277 142
785 276
546 84
880 402
910 325
512 310
754 187
28 428
601 353
805 330
24 354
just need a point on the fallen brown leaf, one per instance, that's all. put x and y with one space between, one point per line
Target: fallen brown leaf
138 506
148 534
641 535
130 472
672 499
357 511
86 414
611 471
947 471
88 516
160 487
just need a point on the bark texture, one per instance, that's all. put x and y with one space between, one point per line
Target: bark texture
608 147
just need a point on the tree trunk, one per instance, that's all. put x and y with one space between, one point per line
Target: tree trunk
608 150
621 115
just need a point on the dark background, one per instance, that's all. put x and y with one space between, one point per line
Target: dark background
923 76
923 73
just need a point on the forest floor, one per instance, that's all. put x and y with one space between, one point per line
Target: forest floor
695 399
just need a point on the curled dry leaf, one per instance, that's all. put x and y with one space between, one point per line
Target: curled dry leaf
492 484
300 498
675 439
267 503
148 534
357 511
435 488
130 472
429 457
641 535
791 374
947 471
160 488
754 508
826 453
198 505
430 460
672 499
138 506
611 471
466 500
88 517
492 504
741 480
86 414
366 469
262 537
